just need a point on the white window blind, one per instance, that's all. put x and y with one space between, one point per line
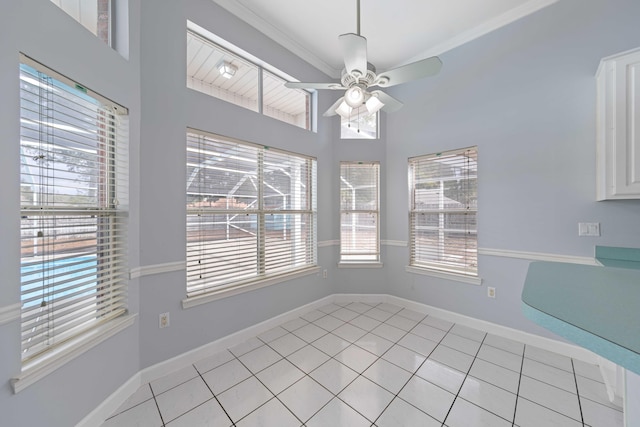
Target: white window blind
74 200
359 212
443 208
251 213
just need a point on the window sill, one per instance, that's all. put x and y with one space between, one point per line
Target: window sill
444 275
253 285
70 351
374 264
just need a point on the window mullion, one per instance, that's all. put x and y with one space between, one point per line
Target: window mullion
260 90
261 266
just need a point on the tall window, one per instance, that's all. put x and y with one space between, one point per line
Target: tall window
359 212
251 213
443 207
94 15
228 75
73 191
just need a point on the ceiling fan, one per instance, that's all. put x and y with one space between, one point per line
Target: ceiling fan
359 75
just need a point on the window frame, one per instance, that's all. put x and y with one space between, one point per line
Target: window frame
69 281
257 276
468 270
366 257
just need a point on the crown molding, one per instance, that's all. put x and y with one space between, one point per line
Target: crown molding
482 29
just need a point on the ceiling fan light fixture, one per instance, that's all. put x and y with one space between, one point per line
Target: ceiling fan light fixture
354 97
373 104
226 69
344 110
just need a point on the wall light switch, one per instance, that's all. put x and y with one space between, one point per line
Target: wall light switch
589 229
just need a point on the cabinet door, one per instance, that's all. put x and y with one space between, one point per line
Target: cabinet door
627 135
619 127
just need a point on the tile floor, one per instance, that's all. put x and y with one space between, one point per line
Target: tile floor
381 365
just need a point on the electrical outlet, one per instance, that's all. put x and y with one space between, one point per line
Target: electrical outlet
324 274
163 321
589 229
491 292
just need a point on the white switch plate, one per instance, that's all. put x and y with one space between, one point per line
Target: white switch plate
589 229
491 292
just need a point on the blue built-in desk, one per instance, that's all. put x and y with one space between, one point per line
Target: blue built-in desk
596 307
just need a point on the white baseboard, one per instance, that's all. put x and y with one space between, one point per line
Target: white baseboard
112 403
117 398
565 349
366 298
190 357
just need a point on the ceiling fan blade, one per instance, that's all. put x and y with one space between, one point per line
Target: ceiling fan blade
354 52
332 110
302 85
406 73
391 104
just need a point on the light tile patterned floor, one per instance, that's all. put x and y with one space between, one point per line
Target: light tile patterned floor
355 364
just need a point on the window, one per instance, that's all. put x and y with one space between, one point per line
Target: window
251 213
359 215
443 207
227 74
288 105
73 192
217 72
359 125
94 15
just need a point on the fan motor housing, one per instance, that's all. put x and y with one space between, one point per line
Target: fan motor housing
366 80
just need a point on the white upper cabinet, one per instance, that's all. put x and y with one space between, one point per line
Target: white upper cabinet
618 127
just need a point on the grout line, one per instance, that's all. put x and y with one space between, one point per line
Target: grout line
158 408
550 385
268 389
214 395
577 392
378 358
465 379
413 374
515 409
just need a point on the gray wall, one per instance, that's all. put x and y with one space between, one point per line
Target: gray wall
524 94
151 83
168 108
44 32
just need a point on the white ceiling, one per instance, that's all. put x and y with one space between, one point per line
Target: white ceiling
398 32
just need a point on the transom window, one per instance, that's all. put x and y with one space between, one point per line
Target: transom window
359 212
359 124
443 208
251 213
74 199
228 75
94 15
